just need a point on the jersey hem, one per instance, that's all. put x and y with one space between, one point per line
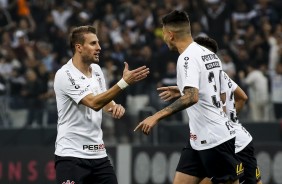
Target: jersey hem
81 156
242 147
213 145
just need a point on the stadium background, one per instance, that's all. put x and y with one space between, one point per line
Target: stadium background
34 45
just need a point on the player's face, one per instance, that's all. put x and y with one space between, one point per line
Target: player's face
90 49
167 36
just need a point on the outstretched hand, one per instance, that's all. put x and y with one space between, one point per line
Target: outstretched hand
146 125
133 76
117 111
169 92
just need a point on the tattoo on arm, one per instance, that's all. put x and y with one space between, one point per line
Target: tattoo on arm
189 98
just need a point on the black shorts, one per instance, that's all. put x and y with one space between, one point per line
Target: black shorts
251 170
84 171
219 163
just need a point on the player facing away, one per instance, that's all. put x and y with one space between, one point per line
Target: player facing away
81 95
211 150
234 99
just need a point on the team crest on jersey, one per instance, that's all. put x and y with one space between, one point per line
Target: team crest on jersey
68 182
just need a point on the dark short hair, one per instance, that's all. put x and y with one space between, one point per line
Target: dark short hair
178 22
175 17
207 42
77 35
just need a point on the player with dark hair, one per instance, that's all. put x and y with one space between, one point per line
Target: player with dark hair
207 42
211 150
234 100
81 94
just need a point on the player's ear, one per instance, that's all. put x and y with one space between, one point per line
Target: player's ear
171 35
78 47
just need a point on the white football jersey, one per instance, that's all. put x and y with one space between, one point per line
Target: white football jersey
200 68
243 137
79 131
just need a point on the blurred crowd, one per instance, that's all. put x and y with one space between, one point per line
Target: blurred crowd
34 45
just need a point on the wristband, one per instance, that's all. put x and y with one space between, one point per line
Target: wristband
122 84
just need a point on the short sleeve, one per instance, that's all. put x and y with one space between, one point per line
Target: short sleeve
223 82
234 85
226 83
70 85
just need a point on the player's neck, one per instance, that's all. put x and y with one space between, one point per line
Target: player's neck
81 66
183 44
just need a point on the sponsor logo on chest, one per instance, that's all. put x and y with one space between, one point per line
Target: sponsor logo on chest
76 86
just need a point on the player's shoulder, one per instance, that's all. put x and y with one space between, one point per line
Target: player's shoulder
194 51
65 72
234 84
186 55
224 75
190 50
96 69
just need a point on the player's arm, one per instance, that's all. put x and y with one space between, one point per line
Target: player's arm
168 93
109 105
240 99
97 102
190 97
116 110
223 100
224 81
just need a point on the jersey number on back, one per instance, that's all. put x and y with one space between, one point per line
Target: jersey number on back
233 116
212 80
